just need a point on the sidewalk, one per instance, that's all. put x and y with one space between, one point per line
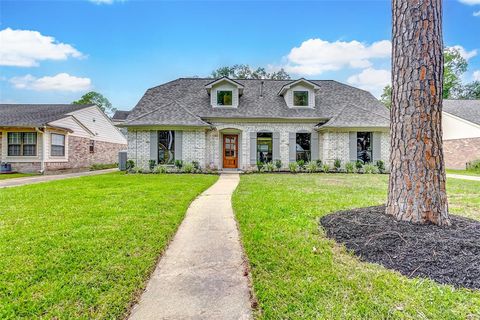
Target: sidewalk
461 176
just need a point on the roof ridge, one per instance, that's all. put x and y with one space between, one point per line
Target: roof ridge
151 111
188 111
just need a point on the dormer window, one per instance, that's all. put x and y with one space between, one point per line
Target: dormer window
224 97
300 98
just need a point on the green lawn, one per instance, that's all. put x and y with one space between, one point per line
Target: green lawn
300 274
15 175
464 172
84 248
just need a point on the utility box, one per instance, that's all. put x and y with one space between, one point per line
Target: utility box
122 160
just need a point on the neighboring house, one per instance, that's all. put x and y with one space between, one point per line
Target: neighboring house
49 137
461 132
118 118
225 123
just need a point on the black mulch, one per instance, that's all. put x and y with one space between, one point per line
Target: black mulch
448 255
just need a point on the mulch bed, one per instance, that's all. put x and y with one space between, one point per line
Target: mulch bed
448 255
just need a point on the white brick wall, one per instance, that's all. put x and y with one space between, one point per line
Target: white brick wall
139 147
335 145
194 146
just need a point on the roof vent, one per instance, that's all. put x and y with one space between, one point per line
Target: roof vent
261 88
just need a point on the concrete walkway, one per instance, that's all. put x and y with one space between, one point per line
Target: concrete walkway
201 275
15 182
461 176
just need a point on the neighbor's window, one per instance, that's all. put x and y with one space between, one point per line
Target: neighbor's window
166 147
22 143
300 98
303 146
364 146
224 98
91 146
58 145
264 147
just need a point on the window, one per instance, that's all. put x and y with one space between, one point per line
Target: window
166 147
264 147
300 98
364 146
22 143
91 146
58 145
303 146
224 98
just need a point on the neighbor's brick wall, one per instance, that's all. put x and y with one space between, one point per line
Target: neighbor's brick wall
458 152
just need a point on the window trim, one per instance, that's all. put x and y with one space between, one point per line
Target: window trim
224 105
22 144
308 98
57 145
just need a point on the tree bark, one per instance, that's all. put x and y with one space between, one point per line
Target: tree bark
417 180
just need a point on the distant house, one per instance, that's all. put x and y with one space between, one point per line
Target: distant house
461 132
50 137
119 118
234 124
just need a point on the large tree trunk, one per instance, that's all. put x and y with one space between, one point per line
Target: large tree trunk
417 180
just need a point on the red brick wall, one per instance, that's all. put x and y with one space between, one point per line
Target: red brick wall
460 151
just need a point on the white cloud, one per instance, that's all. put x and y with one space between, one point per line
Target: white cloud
373 80
470 2
464 53
315 56
476 75
476 14
24 48
59 82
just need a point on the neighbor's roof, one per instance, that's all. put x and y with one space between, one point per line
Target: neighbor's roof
120 115
260 100
466 109
35 115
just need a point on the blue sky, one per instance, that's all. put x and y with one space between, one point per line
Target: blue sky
53 52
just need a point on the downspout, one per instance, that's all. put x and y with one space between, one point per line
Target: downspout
42 157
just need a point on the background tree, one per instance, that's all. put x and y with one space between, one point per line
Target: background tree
243 71
97 99
454 66
416 189
386 97
469 91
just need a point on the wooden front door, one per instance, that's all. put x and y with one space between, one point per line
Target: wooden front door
230 151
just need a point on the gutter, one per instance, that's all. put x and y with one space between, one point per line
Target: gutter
42 157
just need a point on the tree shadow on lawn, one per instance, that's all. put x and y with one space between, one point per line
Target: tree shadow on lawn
448 255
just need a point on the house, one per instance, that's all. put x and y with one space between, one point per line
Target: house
49 137
461 132
229 124
118 118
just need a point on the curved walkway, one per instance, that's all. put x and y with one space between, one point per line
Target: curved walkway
464 177
201 275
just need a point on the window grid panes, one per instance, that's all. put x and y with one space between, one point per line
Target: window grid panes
224 98
58 145
22 143
166 147
364 146
300 98
264 147
303 146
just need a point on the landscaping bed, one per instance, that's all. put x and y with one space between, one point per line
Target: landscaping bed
448 255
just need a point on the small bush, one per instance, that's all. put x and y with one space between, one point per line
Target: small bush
259 165
178 164
325 168
319 163
474 166
381 166
269 166
278 164
188 167
301 163
311 166
196 165
359 164
136 169
337 164
160 169
151 164
350 167
130 164
370 168
293 167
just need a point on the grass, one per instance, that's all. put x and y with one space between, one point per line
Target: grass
83 248
15 175
464 172
300 274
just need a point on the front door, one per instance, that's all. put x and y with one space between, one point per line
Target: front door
230 151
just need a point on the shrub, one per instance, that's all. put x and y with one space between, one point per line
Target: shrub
301 163
151 164
350 167
311 166
337 164
278 164
381 166
136 170
325 168
159 169
188 167
196 165
474 165
178 164
319 163
259 165
370 168
359 164
293 167
130 164
269 166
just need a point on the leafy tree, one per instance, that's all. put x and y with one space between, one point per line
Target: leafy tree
97 99
453 67
244 71
386 97
470 91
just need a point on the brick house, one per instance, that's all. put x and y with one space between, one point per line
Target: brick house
50 137
461 132
233 124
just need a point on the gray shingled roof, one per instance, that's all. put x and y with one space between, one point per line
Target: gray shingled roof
465 109
352 117
120 115
330 99
34 115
